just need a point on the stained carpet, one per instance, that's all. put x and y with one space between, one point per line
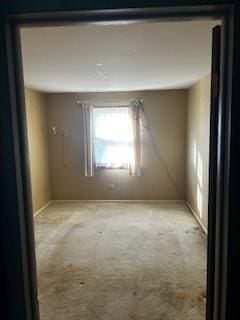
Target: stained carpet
120 261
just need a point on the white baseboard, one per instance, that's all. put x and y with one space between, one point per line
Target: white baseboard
41 209
119 201
196 217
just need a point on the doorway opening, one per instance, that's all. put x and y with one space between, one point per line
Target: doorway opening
69 216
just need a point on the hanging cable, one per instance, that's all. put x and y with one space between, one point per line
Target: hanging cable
148 129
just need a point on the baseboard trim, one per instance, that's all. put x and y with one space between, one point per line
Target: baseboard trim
196 217
41 209
119 201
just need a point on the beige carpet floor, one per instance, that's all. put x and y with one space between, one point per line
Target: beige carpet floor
120 261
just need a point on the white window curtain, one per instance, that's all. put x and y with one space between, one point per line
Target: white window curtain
135 114
87 115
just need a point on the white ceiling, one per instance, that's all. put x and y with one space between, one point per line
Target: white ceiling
91 58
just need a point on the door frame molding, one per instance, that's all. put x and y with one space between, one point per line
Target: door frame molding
217 270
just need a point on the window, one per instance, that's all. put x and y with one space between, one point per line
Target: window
112 137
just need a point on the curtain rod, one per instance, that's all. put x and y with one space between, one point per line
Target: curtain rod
110 106
113 106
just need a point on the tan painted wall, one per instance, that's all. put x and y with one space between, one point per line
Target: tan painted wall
167 113
38 148
198 131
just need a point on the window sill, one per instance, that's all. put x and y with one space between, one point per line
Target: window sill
111 168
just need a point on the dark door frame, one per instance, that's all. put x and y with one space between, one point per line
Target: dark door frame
217 269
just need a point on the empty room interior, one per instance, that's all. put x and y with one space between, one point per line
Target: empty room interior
118 128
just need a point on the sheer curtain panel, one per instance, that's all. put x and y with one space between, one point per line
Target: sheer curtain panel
135 114
87 113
